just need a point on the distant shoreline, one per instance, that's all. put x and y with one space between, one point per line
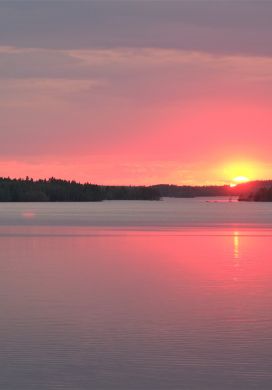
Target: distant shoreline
58 190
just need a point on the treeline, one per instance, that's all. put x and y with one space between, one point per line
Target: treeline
174 191
259 191
261 195
57 190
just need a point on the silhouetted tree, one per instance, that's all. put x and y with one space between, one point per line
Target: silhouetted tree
57 190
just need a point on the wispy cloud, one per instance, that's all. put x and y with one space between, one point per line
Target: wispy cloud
35 63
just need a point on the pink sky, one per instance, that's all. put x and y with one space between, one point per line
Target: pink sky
185 101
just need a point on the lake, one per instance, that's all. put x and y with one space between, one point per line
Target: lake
136 295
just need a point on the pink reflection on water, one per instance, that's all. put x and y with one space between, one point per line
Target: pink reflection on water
198 294
236 245
28 215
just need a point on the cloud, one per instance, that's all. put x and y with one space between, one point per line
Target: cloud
86 101
150 84
38 63
208 26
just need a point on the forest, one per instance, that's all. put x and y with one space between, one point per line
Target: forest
57 190
263 194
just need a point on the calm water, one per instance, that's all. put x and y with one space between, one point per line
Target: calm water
169 213
171 295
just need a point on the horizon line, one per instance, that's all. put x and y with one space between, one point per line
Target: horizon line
131 185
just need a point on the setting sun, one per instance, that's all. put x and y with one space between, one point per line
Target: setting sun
238 180
239 172
241 179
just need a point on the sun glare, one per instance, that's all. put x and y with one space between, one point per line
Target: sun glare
240 179
241 172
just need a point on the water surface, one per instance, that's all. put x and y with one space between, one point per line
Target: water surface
167 213
152 305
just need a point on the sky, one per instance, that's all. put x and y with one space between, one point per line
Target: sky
136 92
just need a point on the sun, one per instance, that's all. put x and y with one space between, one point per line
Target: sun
239 172
240 179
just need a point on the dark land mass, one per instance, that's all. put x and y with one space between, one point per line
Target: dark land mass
57 190
255 191
174 191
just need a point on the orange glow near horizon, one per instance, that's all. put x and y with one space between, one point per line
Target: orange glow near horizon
139 172
242 172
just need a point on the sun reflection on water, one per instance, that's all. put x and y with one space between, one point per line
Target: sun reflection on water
236 246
